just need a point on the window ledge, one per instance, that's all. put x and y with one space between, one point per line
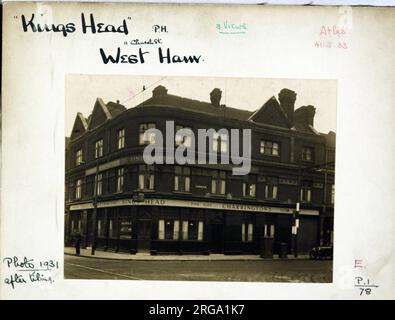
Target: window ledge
270 155
145 190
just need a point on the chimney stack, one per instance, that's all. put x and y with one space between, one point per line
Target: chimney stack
305 115
215 97
287 100
159 91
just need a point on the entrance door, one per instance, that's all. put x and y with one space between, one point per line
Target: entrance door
283 234
144 235
217 238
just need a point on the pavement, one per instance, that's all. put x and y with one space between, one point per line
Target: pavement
86 253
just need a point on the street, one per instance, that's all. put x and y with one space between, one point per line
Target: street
258 271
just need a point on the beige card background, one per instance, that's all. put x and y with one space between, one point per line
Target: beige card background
279 43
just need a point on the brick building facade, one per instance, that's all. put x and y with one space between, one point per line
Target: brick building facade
199 208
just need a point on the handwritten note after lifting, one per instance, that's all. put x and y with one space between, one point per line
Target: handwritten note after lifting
24 271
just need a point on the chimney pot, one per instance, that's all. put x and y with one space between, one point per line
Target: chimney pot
305 115
215 97
287 100
159 91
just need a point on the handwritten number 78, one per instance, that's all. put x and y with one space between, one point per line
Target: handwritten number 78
367 291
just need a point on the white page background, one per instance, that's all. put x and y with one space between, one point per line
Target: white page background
279 43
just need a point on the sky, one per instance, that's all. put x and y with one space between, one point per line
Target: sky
243 93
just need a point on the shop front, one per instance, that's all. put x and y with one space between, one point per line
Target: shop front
164 226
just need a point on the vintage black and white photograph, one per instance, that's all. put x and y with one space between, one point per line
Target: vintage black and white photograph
194 178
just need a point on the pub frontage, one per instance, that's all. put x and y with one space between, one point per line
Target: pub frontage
117 202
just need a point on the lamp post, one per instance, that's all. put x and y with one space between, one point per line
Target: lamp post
295 228
295 224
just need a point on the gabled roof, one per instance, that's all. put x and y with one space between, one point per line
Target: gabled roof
103 112
79 127
271 113
115 108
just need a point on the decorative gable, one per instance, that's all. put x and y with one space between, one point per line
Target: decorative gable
100 114
80 126
271 113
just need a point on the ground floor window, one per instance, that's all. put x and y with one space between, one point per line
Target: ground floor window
168 229
269 231
100 229
192 230
111 233
76 225
125 231
247 232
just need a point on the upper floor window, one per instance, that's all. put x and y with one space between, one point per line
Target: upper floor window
307 154
98 148
333 194
218 182
182 139
121 139
120 173
220 142
271 188
146 177
151 137
182 179
99 186
249 189
305 194
78 157
78 188
269 148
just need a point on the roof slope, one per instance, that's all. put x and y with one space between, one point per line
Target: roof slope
196 105
271 113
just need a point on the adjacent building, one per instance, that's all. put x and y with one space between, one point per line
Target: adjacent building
117 202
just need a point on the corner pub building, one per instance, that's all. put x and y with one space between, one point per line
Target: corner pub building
200 209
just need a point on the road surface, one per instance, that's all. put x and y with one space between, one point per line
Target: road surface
261 271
